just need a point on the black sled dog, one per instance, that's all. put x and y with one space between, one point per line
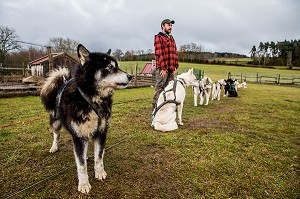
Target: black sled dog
82 105
230 88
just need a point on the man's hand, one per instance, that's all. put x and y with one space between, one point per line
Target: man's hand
174 72
163 73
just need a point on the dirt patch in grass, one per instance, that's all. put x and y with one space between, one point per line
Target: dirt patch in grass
215 117
207 124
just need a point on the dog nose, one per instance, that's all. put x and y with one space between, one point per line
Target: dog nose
129 77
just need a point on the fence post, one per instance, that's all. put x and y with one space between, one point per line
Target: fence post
50 58
256 77
135 74
131 69
278 79
241 77
24 73
229 75
199 74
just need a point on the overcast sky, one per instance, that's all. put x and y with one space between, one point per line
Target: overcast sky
217 25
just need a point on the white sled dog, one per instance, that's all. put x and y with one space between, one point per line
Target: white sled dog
217 88
242 85
204 89
171 100
82 105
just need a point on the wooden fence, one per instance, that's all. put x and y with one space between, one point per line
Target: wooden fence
12 74
12 82
149 79
263 78
143 80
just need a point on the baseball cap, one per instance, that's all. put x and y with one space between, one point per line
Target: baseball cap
167 21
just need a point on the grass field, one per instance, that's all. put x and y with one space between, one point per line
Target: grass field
245 147
220 71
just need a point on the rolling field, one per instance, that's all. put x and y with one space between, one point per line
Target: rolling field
244 147
219 71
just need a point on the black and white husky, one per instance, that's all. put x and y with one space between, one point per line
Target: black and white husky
204 89
83 104
216 90
231 88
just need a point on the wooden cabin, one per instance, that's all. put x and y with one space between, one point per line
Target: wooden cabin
40 66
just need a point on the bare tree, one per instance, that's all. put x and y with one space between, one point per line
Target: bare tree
191 52
8 42
118 54
60 44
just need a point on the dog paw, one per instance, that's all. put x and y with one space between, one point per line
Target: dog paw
101 175
84 187
53 149
180 123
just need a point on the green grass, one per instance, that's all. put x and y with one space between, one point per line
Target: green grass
245 147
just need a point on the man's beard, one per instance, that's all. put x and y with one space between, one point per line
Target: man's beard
168 31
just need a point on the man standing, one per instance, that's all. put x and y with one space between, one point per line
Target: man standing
166 57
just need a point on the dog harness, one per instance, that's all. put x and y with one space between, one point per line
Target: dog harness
221 85
201 88
207 83
58 97
156 109
94 106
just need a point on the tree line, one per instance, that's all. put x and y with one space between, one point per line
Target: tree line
190 52
12 54
282 53
267 53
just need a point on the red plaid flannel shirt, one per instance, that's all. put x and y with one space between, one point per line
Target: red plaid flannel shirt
165 50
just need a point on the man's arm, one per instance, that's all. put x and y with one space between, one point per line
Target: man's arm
159 53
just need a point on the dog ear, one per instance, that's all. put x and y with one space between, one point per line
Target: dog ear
109 51
83 54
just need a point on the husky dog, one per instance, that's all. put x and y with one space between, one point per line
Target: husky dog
217 87
171 100
82 104
202 90
242 85
231 88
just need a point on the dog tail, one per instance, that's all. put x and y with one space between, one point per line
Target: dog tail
52 86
